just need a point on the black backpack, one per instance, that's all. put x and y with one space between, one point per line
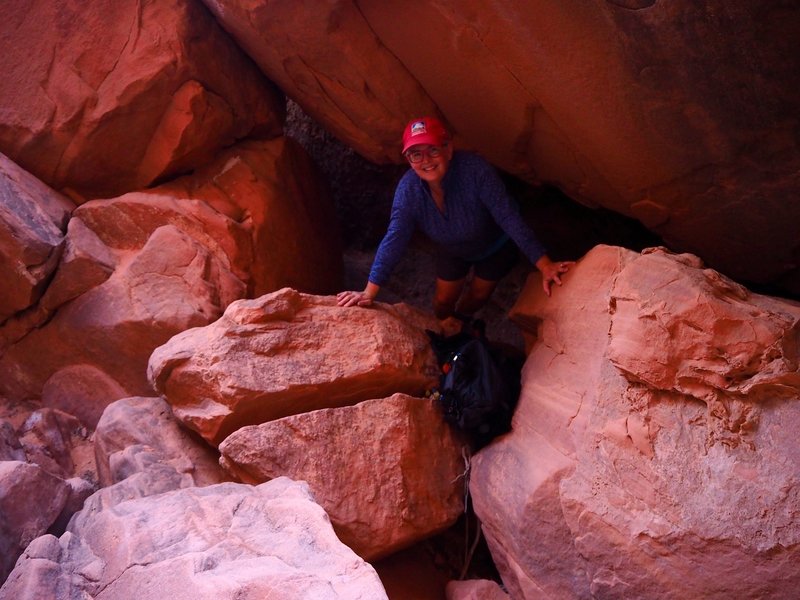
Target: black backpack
479 384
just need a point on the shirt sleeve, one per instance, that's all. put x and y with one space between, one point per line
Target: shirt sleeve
394 243
505 212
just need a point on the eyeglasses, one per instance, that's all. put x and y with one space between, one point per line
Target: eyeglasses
416 156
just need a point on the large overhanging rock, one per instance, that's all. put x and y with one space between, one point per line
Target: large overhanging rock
220 542
652 453
327 58
107 97
286 353
678 114
388 471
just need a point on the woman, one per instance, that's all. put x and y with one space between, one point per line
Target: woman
458 200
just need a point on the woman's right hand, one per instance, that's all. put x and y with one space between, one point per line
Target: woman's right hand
353 298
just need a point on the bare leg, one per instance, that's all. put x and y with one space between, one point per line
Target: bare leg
478 293
446 296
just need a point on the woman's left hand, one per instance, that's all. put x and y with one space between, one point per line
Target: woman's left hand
552 271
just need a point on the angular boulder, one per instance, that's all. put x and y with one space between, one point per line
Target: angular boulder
30 501
388 471
108 98
650 455
33 221
219 542
286 353
147 425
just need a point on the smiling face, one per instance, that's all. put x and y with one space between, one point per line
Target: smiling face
433 161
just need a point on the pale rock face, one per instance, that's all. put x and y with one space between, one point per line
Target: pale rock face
30 501
287 353
367 103
33 220
651 453
110 97
393 479
147 425
219 542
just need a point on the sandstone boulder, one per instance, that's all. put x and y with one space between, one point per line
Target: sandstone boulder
332 64
95 348
650 455
30 501
388 471
147 425
287 353
33 220
108 98
223 541
275 192
49 437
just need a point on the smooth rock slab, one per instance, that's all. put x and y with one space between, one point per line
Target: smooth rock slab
387 470
226 541
652 454
286 353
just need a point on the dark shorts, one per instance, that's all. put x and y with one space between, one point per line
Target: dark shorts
492 268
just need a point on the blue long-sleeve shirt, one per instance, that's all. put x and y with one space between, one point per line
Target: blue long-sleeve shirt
479 216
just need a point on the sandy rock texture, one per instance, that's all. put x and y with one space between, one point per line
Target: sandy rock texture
33 221
106 98
651 453
332 64
137 269
222 541
287 353
30 500
135 433
394 478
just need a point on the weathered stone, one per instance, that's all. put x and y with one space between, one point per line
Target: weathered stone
46 436
104 337
286 353
110 97
649 456
367 103
218 542
274 191
30 500
33 219
475 589
387 471
147 425
10 448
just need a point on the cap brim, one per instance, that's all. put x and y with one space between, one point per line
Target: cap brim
421 139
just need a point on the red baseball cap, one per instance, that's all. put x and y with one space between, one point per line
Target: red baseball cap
425 130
